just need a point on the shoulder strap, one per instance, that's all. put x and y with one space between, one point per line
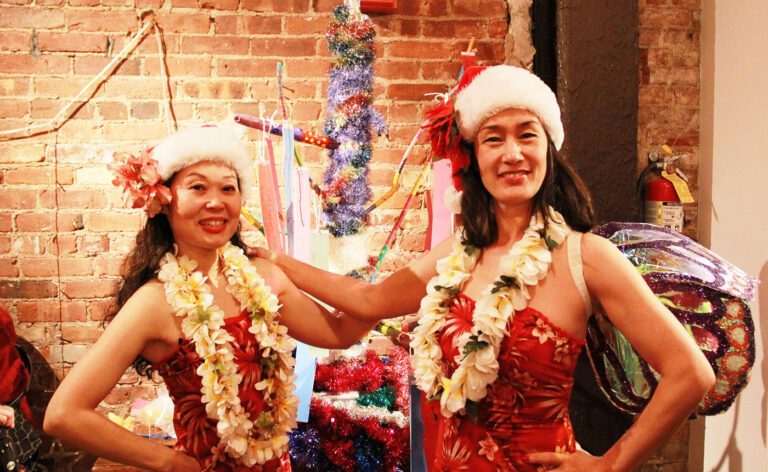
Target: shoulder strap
28 364
577 269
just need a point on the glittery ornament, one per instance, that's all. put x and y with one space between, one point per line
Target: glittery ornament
706 294
351 117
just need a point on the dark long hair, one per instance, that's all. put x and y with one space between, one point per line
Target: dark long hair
141 264
562 189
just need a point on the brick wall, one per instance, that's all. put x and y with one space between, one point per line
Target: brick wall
63 230
669 86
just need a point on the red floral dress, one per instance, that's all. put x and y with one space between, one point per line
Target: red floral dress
195 431
526 409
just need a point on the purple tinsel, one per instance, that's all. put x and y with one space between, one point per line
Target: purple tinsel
351 117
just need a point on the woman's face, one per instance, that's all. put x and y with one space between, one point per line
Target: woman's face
205 210
511 150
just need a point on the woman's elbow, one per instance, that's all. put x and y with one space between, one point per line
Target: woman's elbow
54 419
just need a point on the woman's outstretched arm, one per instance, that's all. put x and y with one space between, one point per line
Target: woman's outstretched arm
71 414
397 295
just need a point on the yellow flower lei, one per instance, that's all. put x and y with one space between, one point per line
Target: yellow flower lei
525 265
248 440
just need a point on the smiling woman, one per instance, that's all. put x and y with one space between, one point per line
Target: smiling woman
192 307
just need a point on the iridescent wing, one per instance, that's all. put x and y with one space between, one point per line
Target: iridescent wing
706 294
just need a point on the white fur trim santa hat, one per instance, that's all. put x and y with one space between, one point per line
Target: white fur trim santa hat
485 91
205 143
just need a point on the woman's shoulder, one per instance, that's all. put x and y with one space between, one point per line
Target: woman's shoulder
148 300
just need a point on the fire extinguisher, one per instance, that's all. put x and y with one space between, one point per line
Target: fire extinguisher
662 204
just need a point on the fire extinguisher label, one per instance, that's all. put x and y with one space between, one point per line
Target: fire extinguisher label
666 214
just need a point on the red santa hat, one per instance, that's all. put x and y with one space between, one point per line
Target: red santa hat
482 92
485 91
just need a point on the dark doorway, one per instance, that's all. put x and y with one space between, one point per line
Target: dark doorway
587 52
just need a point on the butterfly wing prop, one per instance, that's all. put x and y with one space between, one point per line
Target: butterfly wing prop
706 294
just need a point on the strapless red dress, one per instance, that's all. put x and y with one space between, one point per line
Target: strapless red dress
526 409
196 432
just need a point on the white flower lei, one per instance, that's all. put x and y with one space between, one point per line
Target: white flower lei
525 265
248 440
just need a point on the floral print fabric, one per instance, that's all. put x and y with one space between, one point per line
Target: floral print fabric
526 409
196 432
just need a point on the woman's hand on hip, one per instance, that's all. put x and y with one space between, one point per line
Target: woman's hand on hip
566 461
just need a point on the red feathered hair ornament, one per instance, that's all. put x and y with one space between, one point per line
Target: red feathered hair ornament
443 131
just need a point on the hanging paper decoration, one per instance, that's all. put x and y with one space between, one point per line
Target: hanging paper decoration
706 294
350 119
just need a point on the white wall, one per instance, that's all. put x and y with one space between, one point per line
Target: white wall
733 206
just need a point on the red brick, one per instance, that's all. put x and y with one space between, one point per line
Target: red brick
36 222
137 131
18 198
306 111
70 198
14 87
72 266
295 68
180 66
230 45
445 70
114 221
246 68
278 6
146 4
71 42
5 221
5 245
99 310
187 23
219 4
38 175
400 28
90 288
184 3
13 108
397 70
412 91
405 113
225 24
73 311
80 334
305 25
39 266
113 111
15 41
28 64
268 25
145 110
436 8
27 289
92 65
46 108
108 265
9 267
226 90
489 51
38 311
482 8
419 50
24 18
283 47
102 20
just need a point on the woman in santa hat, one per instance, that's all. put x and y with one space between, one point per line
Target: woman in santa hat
503 306
193 308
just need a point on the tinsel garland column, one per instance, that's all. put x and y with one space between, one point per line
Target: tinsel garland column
350 119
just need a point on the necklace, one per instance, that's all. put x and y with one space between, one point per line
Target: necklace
248 440
526 263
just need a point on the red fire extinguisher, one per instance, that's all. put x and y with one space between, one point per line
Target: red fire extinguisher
662 205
